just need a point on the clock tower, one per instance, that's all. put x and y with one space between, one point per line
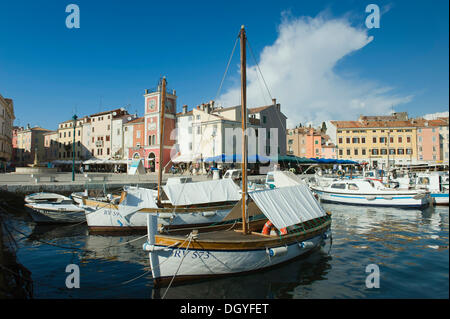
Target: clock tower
150 151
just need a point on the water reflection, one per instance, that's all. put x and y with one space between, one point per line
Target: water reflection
409 246
278 282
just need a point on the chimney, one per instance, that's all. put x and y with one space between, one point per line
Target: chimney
185 109
174 92
274 101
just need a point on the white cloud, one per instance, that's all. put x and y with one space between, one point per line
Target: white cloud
434 116
299 68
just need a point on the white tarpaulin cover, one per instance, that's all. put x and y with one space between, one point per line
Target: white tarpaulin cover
185 158
136 199
287 206
286 178
214 191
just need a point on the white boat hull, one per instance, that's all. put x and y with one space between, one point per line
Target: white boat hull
440 198
386 200
192 263
109 219
42 213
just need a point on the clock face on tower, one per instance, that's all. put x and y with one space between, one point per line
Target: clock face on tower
152 104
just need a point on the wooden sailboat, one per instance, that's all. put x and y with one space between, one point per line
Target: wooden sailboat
200 206
184 255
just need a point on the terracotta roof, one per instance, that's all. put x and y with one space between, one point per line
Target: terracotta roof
137 120
388 124
184 114
258 109
107 112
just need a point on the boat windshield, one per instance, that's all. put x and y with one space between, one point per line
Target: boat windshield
338 186
353 187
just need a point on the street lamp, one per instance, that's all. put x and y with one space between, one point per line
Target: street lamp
74 118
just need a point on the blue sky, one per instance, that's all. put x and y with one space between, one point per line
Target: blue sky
123 47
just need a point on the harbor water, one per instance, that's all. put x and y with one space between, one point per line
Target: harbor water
408 247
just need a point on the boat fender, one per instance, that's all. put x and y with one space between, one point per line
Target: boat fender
209 214
277 251
306 244
150 247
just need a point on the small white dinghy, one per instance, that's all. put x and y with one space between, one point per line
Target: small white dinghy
37 198
53 208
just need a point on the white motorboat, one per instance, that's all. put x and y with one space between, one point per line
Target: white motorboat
372 193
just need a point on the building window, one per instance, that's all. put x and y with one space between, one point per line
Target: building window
363 151
392 151
107 138
383 151
382 139
374 140
400 140
348 152
375 151
400 151
107 151
264 119
355 140
347 140
363 140
138 134
340 140
355 151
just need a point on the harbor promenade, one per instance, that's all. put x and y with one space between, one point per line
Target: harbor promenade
62 181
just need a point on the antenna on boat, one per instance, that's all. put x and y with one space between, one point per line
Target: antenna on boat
244 127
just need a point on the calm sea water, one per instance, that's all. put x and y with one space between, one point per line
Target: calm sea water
410 247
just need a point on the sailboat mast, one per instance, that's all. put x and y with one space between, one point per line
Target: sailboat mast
161 136
244 127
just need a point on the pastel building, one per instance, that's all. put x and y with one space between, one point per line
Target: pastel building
310 143
30 142
432 140
377 142
51 146
68 132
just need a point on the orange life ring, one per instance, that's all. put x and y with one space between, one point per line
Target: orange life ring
269 225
